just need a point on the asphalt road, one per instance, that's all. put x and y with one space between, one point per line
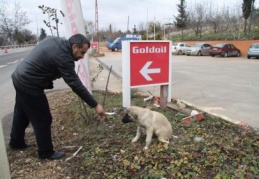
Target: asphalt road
226 87
8 63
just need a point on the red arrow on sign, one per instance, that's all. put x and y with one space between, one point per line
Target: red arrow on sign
145 71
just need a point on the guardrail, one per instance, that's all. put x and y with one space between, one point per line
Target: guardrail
16 46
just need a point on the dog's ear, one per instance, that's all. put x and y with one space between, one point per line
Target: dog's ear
135 116
132 113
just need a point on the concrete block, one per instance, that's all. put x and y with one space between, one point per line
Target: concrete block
189 119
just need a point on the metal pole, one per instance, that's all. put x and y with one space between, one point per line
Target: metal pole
155 25
164 30
147 24
155 28
37 29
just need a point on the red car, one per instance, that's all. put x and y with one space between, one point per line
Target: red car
225 50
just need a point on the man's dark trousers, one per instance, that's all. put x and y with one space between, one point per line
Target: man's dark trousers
34 109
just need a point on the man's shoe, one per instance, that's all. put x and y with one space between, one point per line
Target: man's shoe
19 147
55 156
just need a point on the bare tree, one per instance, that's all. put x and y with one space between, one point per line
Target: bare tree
197 16
5 26
155 26
142 28
12 20
110 32
89 29
226 19
214 18
28 36
236 21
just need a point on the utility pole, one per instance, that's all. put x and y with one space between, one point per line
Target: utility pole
147 24
128 25
37 30
155 25
96 26
154 28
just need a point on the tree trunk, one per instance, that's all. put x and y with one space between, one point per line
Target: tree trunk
245 27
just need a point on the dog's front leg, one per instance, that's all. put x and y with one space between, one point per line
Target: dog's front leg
148 138
137 135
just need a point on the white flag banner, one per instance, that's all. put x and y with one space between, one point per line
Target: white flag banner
74 24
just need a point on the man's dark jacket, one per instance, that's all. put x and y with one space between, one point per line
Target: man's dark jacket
50 59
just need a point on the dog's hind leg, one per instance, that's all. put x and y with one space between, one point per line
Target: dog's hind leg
137 135
148 138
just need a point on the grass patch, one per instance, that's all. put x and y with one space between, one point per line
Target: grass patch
224 151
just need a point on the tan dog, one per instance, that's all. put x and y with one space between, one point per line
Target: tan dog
149 123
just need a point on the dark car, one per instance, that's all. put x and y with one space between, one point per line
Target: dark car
225 50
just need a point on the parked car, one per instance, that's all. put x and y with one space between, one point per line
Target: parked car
253 51
198 49
117 45
179 48
225 50
109 42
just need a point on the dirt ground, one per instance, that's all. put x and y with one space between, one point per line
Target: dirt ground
25 164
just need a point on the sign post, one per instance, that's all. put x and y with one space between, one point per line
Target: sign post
94 45
146 63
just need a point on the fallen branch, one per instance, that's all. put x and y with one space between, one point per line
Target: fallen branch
74 154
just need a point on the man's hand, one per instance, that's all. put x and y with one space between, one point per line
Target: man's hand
99 110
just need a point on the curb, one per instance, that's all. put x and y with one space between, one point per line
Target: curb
108 68
189 107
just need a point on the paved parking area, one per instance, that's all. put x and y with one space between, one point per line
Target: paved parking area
226 87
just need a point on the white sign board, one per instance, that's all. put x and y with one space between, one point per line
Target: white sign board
145 63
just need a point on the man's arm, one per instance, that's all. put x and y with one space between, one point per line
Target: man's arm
67 71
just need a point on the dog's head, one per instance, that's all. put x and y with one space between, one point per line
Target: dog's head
130 116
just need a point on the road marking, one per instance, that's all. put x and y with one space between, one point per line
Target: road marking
1 66
13 62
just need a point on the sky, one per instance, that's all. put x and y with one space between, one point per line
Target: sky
121 14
